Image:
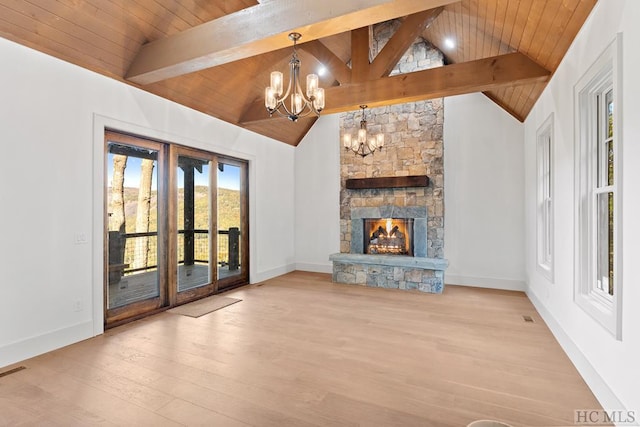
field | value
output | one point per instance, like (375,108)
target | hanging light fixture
(363,144)
(299,105)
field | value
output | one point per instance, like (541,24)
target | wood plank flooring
(302,351)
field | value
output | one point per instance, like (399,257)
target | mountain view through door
(176,225)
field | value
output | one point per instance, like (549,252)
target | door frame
(137,309)
(103,319)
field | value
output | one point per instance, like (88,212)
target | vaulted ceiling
(215,56)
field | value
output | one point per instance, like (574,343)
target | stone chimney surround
(413,147)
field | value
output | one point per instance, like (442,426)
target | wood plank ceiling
(506,49)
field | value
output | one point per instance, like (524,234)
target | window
(545,199)
(598,286)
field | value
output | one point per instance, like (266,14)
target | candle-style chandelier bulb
(299,104)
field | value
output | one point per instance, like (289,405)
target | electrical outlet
(80,238)
(77,305)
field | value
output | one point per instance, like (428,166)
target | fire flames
(388,236)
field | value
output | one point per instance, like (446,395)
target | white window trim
(605,72)
(545,206)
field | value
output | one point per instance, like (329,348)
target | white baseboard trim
(598,386)
(270,274)
(485,282)
(35,346)
(314,268)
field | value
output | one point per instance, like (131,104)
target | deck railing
(140,250)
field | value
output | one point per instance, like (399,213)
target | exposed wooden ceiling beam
(455,79)
(336,67)
(411,28)
(360,54)
(264,28)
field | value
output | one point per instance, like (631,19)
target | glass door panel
(232,253)
(195,276)
(132,256)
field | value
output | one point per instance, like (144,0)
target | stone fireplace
(398,267)
(372,253)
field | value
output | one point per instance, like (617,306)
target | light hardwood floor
(301,351)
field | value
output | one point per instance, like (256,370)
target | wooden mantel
(388,182)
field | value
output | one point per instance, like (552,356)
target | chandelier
(363,144)
(299,105)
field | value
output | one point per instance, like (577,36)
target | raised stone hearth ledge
(390,271)
(393,260)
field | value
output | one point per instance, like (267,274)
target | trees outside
(117,221)
(143,212)
(116,205)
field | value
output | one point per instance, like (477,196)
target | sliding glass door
(176,225)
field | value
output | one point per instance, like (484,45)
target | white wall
(483,194)
(484,202)
(610,367)
(317,177)
(51,173)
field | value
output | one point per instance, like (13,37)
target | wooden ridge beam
(335,66)
(259,29)
(391,53)
(467,77)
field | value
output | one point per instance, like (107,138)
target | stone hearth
(390,271)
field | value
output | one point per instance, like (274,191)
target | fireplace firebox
(388,236)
